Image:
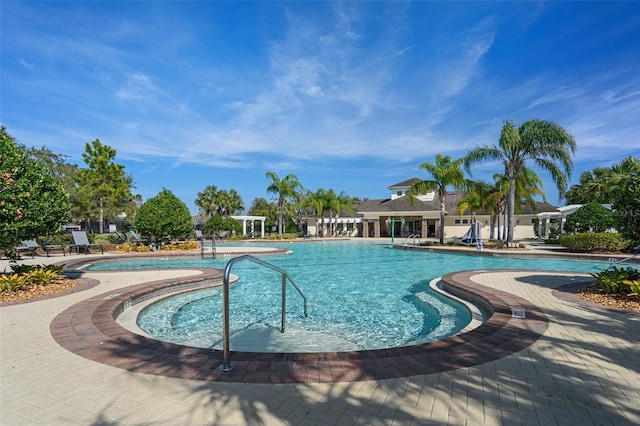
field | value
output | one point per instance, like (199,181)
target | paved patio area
(584,369)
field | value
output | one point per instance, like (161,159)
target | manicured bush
(164,216)
(592,242)
(592,217)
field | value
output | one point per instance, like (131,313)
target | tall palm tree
(316,201)
(207,200)
(338,203)
(230,202)
(287,189)
(445,173)
(545,143)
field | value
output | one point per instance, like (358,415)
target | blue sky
(352,96)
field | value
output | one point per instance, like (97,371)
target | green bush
(592,217)
(162,216)
(592,242)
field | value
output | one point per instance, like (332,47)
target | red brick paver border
(89,329)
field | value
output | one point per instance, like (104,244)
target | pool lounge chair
(122,238)
(135,238)
(81,241)
(27,247)
(48,248)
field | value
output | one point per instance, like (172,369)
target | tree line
(41,190)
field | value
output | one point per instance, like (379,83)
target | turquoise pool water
(361,295)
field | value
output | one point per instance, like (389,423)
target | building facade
(396,216)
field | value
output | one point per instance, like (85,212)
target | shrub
(592,217)
(619,280)
(24,275)
(597,242)
(12,282)
(129,247)
(164,215)
(633,286)
(217,223)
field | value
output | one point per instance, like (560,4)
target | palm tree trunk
(101,226)
(442,212)
(511,207)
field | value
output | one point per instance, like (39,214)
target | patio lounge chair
(122,238)
(81,241)
(29,246)
(135,238)
(46,247)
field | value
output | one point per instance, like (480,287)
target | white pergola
(251,220)
(562,214)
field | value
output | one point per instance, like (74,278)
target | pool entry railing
(227,366)
(201,238)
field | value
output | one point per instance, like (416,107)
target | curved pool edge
(89,329)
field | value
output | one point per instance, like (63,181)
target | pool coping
(90,330)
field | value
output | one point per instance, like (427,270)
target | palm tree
(207,200)
(543,142)
(230,202)
(476,198)
(287,188)
(338,203)
(316,201)
(445,173)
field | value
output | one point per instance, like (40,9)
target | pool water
(360,296)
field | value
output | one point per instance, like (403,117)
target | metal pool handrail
(227,366)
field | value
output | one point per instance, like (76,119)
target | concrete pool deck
(583,369)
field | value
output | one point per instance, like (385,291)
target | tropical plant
(616,280)
(12,282)
(633,286)
(444,173)
(545,143)
(32,202)
(207,200)
(626,199)
(162,216)
(103,184)
(287,190)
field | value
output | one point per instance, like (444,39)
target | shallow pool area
(361,296)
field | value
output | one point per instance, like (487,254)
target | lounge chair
(222,235)
(122,238)
(135,238)
(29,246)
(81,241)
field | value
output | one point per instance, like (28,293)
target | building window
(457,221)
(399,193)
(465,221)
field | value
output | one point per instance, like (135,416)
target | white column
(262,227)
(244,227)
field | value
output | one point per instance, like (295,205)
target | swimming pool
(361,296)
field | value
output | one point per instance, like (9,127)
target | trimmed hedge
(592,242)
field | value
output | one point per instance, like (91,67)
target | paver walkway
(584,370)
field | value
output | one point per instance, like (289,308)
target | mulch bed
(597,294)
(34,291)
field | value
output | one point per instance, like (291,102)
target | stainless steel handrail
(227,366)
